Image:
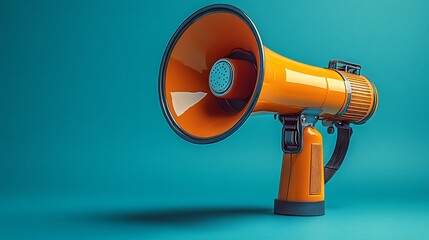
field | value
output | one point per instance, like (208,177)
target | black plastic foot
(299,208)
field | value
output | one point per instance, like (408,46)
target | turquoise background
(85,152)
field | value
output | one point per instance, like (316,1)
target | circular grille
(221,77)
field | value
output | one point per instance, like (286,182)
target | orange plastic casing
(302,177)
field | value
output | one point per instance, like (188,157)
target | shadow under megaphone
(179,216)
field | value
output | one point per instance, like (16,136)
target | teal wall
(79,110)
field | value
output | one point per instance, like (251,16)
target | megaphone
(216,72)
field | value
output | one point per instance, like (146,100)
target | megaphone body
(216,72)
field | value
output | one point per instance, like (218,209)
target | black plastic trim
(182,28)
(299,208)
(344,134)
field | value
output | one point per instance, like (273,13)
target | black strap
(344,134)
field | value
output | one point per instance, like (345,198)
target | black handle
(344,134)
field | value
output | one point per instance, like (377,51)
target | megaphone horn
(216,72)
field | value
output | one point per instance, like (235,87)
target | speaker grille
(221,77)
(362,98)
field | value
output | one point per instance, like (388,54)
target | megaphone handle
(301,190)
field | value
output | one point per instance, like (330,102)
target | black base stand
(299,208)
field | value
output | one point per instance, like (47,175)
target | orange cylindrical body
(290,87)
(268,82)
(302,176)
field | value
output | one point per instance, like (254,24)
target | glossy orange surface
(290,87)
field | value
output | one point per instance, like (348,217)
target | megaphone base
(282,207)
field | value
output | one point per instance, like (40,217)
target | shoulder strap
(344,134)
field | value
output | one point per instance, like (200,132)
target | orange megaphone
(215,72)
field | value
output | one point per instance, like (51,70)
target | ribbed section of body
(361,100)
